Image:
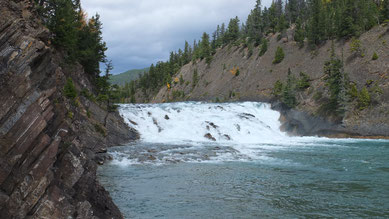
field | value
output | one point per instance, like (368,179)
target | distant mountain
(130,75)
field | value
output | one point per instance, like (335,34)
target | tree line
(314,21)
(80,39)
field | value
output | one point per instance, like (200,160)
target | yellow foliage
(176,80)
(234,70)
(168,86)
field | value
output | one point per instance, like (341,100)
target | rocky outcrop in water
(48,143)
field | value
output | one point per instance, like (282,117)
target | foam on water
(246,122)
(177,132)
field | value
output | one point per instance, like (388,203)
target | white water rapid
(247,122)
(207,132)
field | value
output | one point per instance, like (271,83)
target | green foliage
(278,88)
(127,77)
(299,34)
(289,91)
(286,92)
(355,47)
(375,56)
(250,50)
(364,99)
(353,91)
(303,82)
(279,56)
(69,89)
(73,33)
(195,78)
(88,114)
(316,20)
(336,84)
(70,115)
(263,47)
(181,80)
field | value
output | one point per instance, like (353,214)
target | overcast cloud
(141,32)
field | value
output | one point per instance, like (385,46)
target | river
(230,160)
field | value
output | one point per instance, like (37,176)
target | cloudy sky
(141,32)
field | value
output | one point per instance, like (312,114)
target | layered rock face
(48,144)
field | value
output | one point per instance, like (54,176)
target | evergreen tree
(263,47)
(316,25)
(288,93)
(336,83)
(232,34)
(205,48)
(279,56)
(299,34)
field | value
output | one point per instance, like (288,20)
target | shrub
(195,79)
(375,56)
(181,80)
(279,56)
(263,47)
(356,48)
(277,89)
(364,99)
(303,83)
(69,89)
(353,91)
(70,115)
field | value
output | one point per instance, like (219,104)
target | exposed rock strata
(47,167)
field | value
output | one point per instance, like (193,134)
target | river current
(230,160)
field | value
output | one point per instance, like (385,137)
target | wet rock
(132,122)
(209,136)
(102,151)
(227,137)
(156,123)
(167,117)
(246,116)
(237,127)
(151,157)
(149,113)
(212,124)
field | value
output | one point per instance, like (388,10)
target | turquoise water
(230,160)
(309,178)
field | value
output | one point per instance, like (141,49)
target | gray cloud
(141,32)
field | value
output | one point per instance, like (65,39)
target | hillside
(258,76)
(128,76)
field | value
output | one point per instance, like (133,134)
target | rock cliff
(257,76)
(49,145)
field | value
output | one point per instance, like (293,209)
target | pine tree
(205,48)
(288,93)
(279,56)
(232,34)
(263,47)
(336,83)
(299,34)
